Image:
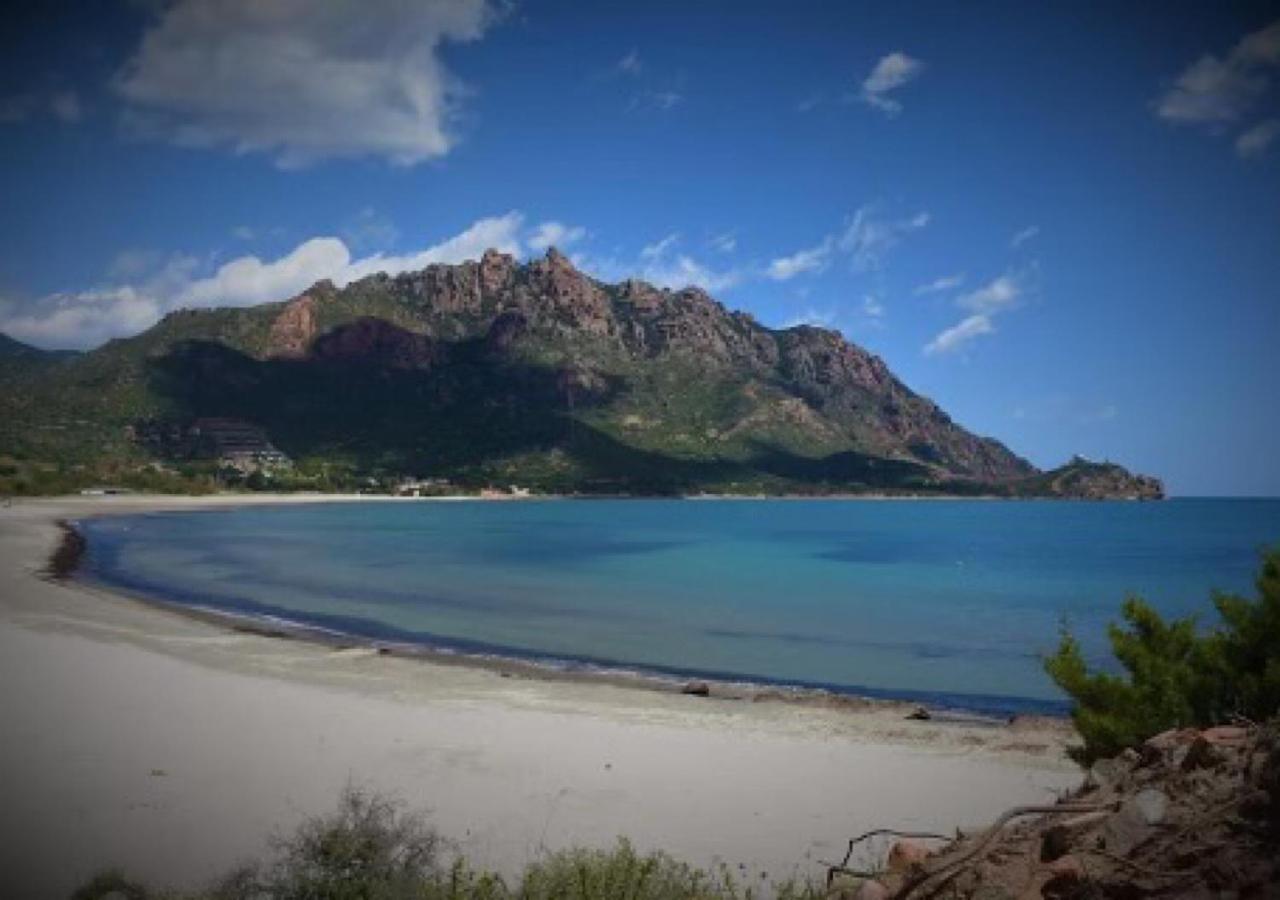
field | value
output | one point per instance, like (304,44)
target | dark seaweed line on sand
(68,555)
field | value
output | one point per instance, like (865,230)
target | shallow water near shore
(948,603)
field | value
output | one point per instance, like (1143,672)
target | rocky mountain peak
(535,364)
(295,327)
(497,271)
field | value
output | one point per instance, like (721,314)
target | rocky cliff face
(536,372)
(850,398)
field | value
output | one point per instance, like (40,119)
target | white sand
(172,747)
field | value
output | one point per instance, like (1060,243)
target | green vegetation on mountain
(493,372)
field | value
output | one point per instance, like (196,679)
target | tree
(1175,674)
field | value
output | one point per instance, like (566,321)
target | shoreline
(251,732)
(993,710)
(66,563)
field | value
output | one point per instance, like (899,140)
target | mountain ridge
(493,370)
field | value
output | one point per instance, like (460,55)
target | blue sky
(1060,221)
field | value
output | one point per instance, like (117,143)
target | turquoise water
(949,602)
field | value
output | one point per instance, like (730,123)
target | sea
(948,603)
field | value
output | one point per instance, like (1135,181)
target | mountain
(17,358)
(496,372)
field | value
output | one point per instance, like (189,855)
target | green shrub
(1176,674)
(370,849)
(111,884)
(621,874)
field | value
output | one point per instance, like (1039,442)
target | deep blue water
(949,602)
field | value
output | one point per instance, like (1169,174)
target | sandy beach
(174,747)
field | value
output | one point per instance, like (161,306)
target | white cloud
(868,239)
(500,233)
(684,271)
(889,74)
(995,296)
(725,243)
(299,81)
(631,64)
(248,280)
(65,106)
(660,247)
(939,285)
(86,318)
(1215,92)
(659,264)
(1023,236)
(872,308)
(1257,139)
(814,259)
(961,334)
(555,234)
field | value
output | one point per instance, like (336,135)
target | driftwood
(1194,811)
(948,869)
(842,867)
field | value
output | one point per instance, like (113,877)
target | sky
(1060,221)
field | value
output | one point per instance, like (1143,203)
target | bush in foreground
(1176,674)
(371,849)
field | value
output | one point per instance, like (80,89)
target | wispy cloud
(360,80)
(1213,91)
(1216,93)
(940,285)
(998,296)
(662,263)
(555,234)
(813,259)
(659,247)
(866,240)
(1023,236)
(889,74)
(682,270)
(726,242)
(1257,139)
(630,64)
(869,238)
(995,296)
(960,334)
